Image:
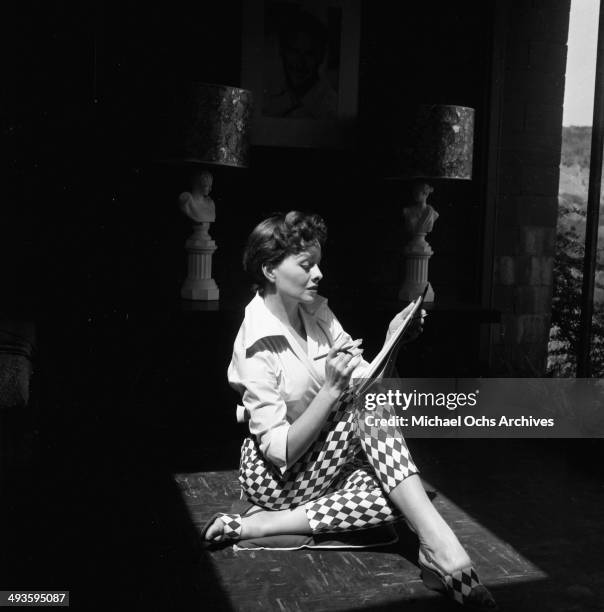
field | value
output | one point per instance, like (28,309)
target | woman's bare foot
(252,526)
(444,552)
(264,523)
(439,546)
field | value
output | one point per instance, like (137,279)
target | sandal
(231,531)
(232,523)
(462,586)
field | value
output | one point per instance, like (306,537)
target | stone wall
(528,172)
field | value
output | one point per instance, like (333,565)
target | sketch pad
(381,361)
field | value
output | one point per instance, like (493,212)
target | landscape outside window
(572,199)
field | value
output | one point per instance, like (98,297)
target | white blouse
(276,378)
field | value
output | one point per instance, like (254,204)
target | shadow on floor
(97,510)
(94,509)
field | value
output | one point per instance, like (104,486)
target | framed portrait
(301,62)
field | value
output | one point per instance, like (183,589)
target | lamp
(217,121)
(436,144)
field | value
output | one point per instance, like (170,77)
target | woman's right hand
(339,365)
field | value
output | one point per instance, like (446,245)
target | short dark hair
(278,236)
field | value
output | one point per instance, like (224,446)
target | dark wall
(125,384)
(93,243)
(94,221)
(93,246)
(422,53)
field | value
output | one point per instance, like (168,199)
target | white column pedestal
(416,257)
(199,284)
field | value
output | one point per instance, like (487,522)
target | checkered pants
(343,480)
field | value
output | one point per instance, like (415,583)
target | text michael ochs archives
(431,401)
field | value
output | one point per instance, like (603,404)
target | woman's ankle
(447,557)
(253,526)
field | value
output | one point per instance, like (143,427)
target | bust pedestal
(199,284)
(416,257)
(418,221)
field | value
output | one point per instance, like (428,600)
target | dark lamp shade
(436,144)
(217,125)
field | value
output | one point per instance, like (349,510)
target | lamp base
(418,220)
(416,275)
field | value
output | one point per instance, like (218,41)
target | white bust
(198,205)
(419,218)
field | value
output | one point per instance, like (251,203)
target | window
(575,166)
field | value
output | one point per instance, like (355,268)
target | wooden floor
(121,474)
(529,519)
(119,528)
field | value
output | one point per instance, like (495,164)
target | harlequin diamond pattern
(345,510)
(360,479)
(461,583)
(390,459)
(349,470)
(232,526)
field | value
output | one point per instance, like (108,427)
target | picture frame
(278,56)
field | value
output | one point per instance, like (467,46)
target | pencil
(345,349)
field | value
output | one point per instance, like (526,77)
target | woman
(307,465)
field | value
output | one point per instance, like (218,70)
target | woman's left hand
(415,326)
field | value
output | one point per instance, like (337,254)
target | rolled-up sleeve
(257,378)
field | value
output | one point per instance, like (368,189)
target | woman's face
(301,60)
(297,277)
